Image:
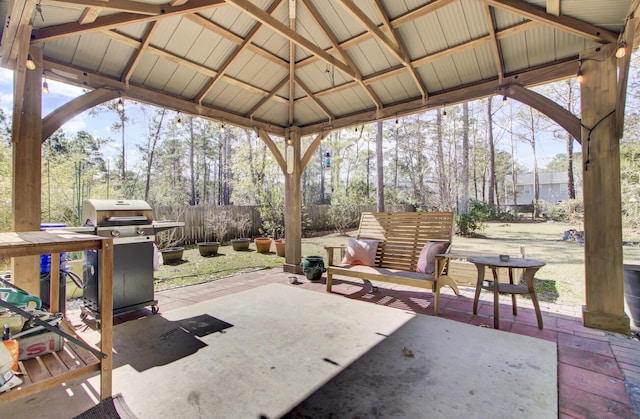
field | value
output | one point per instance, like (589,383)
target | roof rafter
(374,78)
(398,41)
(133,62)
(259,14)
(271,94)
(186,63)
(314,99)
(495,45)
(241,47)
(397,22)
(565,23)
(82,77)
(117,5)
(370,26)
(529,77)
(336,46)
(292,62)
(119,19)
(90,14)
(215,28)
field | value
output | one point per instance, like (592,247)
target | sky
(99,126)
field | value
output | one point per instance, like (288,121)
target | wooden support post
(602,198)
(293,205)
(26,188)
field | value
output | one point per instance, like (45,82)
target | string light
(580,77)
(179,121)
(622,50)
(31,65)
(504,99)
(120,105)
(45,86)
(397,121)
(444,114)
(222,128)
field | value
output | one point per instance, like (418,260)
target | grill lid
(115,212)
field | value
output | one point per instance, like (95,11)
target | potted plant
(263,244)
(279,247)
(171,255)
(207,249)
(242,225)
(217,223)
(167,241)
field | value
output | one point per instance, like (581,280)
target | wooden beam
(529,77)
(133,61)
(89,15)
(553,7)
(279,27)
(293,207)
(623,64)
(418,12)
(134,43)
(271,95)
(115,5)
(324,27)
(557,113)
(495,45)
(228,35)
(565,23)
(18,21)
(315,100)
(604,289)
(292,62)
(241,47)
(83,78)
(364,20)
(26,181)
(271,145)
(117,20)
(71,109)
(394,36)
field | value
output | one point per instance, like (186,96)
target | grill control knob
(115,233)
(140,232)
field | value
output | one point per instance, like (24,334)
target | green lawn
(560,281)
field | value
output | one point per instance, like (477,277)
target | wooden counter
(72,362)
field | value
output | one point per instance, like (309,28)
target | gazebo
(295,70)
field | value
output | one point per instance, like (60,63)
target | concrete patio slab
(263,351)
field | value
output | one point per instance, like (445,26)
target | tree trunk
(440,170)
(192,169)
(464,197)
(571,186)
(380,169)
(492,156)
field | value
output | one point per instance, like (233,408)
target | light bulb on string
(179,121)
(31,65)
(504,100)
(444,114)
(580,77)
(222,129)
(622,50)
(120,105)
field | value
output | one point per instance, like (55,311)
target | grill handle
(129,218)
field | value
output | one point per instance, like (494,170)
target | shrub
(343,217)
(472,221)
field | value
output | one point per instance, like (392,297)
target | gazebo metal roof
(313,64)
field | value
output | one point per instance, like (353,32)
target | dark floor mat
(110,408)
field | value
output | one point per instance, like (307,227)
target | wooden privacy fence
(222,223)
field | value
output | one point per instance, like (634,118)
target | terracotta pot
(280,247)
(263,244)
(240,245)
(208,248)
(172,255)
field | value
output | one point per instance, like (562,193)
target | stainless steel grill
(130,224)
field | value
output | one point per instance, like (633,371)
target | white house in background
(552,187)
